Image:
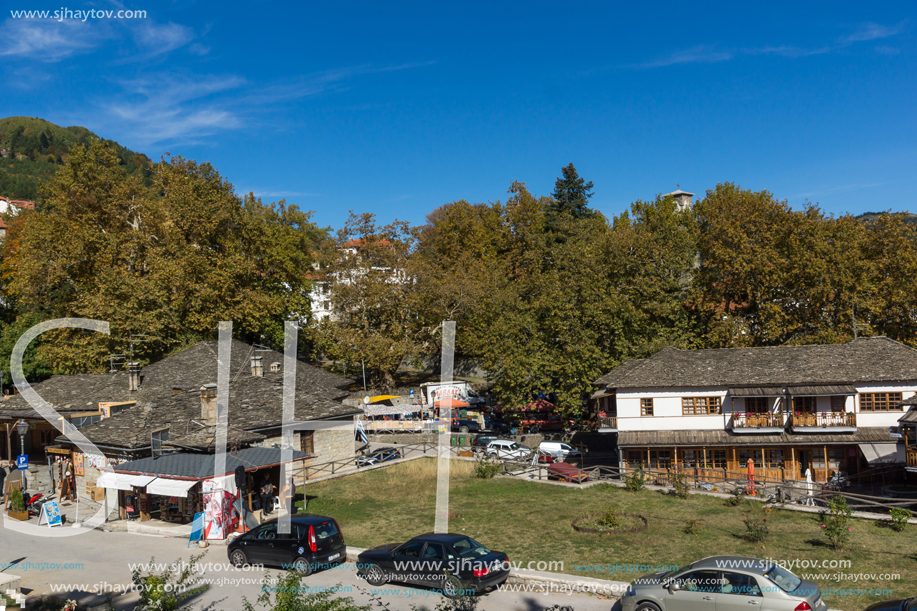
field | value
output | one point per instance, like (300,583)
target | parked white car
(504,448)
(560,450)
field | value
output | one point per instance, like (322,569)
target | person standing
(2,485)
(267,495)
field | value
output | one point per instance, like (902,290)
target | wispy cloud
(871,31)
(157,39)
(47,41)
(864,32)
(701,54)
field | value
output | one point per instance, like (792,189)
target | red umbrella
(451,403)
(751,477)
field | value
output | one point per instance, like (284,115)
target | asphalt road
(101,562)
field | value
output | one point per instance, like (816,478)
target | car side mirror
(674,586)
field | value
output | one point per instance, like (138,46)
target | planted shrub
(610,519)
(17,503)
(487,467)
(168,590)
(636,480)
(755,531)
(900,516)
(680,484)
(693,527)
(836,522)
(736,497)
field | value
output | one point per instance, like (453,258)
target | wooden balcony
(912,458)
(836,421)
(608,424)
(754,423)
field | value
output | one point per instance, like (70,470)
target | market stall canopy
(170,487)
(379,398)
(385,410)
(452,403)
(881,453)
(123,481)
(538,405)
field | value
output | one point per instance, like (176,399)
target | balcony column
(793,462)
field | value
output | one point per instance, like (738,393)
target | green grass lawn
(532,522)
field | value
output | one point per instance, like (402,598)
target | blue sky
(397,108)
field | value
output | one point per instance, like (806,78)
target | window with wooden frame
(646,407)
(701,406)
(719,459)
(755,455)
(635,458)
(835,458)
(804,405)
(775,459)
(838,404)
(307,442)
(818,458)
(880,401)
(756,405)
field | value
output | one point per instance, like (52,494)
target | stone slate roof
(204,438)
(867,359)
(201,466)
(724,438)
(254,404)
(191,368)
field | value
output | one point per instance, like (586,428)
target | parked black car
(481,441)
(901,604)
(313,542)
(466,426)
(456,564)
(377,456)
(497,427)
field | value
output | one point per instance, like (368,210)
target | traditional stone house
(790,408)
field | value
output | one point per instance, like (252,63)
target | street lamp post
(22,427)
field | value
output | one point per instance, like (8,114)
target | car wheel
(238,558)
(464,429)
(375,576)
(303,566)
(453,586)
(647,606)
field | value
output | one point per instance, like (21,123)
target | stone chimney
(275,367)
(257,367)
(209,404)
(133,376)
(682,199)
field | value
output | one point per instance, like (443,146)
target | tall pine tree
(571,196)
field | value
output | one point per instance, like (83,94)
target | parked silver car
(726,583)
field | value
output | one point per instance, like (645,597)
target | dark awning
(821,391)
(757,391)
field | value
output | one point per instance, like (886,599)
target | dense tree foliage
(167,262)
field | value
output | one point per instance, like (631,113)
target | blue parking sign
(22,462)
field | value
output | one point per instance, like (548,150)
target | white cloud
(157,39)
(45,40)
(701,54)
(871,31)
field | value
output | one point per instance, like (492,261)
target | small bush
(900,516)
(288,594)
(167,591)
(693,527)
(17,503)
(680,483)
(836,522)
(755,531)
(486,467)
(610,519)
(736,498)
(636,480)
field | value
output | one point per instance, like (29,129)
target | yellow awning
(382,398)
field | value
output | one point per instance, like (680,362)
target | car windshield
(469,548)
(784,579)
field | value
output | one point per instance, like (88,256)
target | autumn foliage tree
(167,262)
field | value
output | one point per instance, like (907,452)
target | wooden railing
(912,456)
(823,419)
(756,421)
(608,422)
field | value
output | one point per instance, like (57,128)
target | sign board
(53,450)
(22,462)
(8,488)
(197,528)
(894,432)
(50,514)
(78,467)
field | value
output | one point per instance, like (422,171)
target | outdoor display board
(219,517)
(78,464)
(50,514)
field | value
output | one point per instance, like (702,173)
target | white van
(559,449)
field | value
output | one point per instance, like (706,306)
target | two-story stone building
(790,408)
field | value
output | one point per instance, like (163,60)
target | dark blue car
(377,456)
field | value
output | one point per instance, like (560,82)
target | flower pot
(22,516)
